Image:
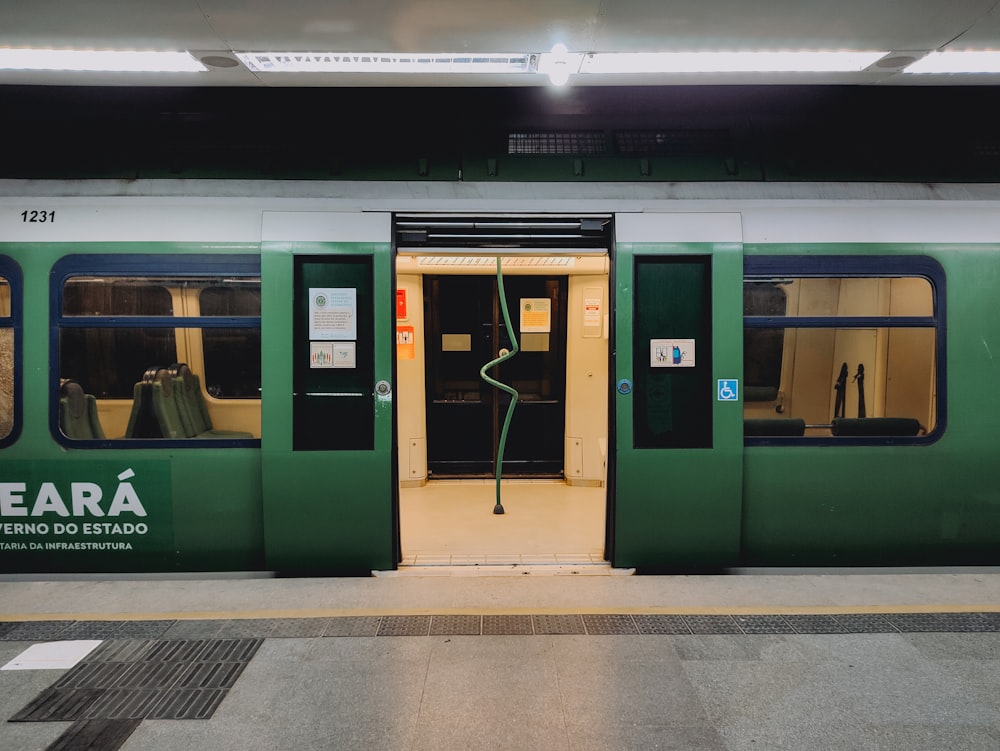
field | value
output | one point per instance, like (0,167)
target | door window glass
(672,394)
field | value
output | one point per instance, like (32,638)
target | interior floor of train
(448,526)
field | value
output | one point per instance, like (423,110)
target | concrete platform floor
(918,683)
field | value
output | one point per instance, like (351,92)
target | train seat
(142,420)
(191,406)
(777,426)
(78,413)
(165,406)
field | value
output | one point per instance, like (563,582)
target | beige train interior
(545,521)
(898,362)
(241,415)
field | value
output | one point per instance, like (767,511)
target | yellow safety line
(666,610)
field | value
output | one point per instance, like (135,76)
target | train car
(262,376)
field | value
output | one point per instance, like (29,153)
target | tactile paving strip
(37,631)
(865,623)
(763,624)
(246,628)
(712,624)
(203,629)
(609,624)
(142,629)
(661,624)
(815,624)
(90,630)
(300,628)
(558,624)
(456,625)
(88,735)
(136,679)
(507,625)
(356,625)
(404,625)
(189,635)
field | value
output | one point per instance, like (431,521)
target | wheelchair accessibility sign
(729,389)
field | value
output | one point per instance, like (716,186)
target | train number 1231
(38,217)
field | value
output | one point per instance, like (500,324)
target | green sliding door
(328,458)
(678,407)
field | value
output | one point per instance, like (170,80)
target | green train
(284,376)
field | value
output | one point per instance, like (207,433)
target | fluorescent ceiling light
(559,64)
(127,61)
(379,62)
(729,62)
(983,61)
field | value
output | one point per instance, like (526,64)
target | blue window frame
(120,326)
(843,350)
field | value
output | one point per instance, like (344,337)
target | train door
(327,449)
(464,414)
(555,272)
(678,426)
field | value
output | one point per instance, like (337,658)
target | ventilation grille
(677,141)
(552,233)
(568,142)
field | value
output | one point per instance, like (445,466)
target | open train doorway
(554,277)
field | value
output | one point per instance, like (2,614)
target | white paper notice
(333,313)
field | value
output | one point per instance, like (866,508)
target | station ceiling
(471,39)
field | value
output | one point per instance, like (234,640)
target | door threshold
(508,569)
(491,481)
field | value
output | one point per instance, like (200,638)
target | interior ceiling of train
(477,43)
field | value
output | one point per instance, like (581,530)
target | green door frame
(327,511)
(679,508)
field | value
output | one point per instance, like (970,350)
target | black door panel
(465,330)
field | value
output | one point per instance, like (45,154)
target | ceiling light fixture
(559,64)
(383,62)
(790,61)
(112,61)
(967,61)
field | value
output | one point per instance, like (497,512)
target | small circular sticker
(625,386)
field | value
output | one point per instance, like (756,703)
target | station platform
(505,659)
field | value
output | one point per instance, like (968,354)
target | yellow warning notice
(536,315)
(405,345)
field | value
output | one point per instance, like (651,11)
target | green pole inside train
(503,356)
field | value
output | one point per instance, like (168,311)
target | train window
(157,355)
(9,334)
(851,355)
(762,371)
(232,356)
(109,359)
